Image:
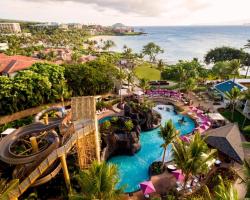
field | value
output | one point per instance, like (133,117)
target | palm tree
(121,76)
(189,85)
(234,95)
(234,67)
(143,84)
(225,191)
(192,157)
(130,79)
(98,182)
(160,65)
(247,175)
(181,72)
(108,44)
(168,134)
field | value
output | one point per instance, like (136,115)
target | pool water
(134,169)
(102,120)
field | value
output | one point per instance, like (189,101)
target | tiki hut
(227,140)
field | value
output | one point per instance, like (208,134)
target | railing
(89,126)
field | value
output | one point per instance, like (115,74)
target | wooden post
(96,132)
(46,119)
(65,172)
(34,144)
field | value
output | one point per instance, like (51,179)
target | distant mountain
(17,21)
(118,25)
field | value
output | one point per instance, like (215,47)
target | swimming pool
(134,169)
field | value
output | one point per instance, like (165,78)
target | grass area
(146,71)
(238,117)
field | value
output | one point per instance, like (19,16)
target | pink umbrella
(193,108)
(204,127)
(147,187)
(178,175)
(199,130)
(185,138)
(199,111)
(207,123)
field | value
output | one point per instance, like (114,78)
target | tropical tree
(220,70)
(108,44)
(234,95)
(234,67)
(189,85)
(246,62)
(192,157)
(129,125)
(127,53)
(98,182)
(143,84)
(130,78)
(121,76)
(168,134)
(160,65)
(75,57)
(223,54)
(247,174)
(152,50)
(225,191)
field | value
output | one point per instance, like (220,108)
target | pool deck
(162,183)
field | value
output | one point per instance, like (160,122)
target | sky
(129,12)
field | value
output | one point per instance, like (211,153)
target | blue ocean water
(185,42)
(134,169)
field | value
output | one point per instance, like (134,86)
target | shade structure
(147,187)
(178,175)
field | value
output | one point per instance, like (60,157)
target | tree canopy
(223,54)
(152,50)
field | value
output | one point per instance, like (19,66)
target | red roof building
(9,65)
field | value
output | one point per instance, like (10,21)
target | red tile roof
(10,64)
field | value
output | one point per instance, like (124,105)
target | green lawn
(146,71)
(238,117)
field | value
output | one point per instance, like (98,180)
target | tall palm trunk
(164,154)
(247,71)
(232,116)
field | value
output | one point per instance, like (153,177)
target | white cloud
(130,12)
(140,7)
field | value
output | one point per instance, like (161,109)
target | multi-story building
(49,25)
(75,26)
(64,26)
(10,28)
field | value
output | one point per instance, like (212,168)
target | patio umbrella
(178,175)
(199,111)
(185,139)
(204,127)
(199,130)
(147,187)
(193,108)
(207,123)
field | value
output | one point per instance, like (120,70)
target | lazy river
(134,169)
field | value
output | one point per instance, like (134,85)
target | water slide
(27,161)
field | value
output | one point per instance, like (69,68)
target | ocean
(184,42)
